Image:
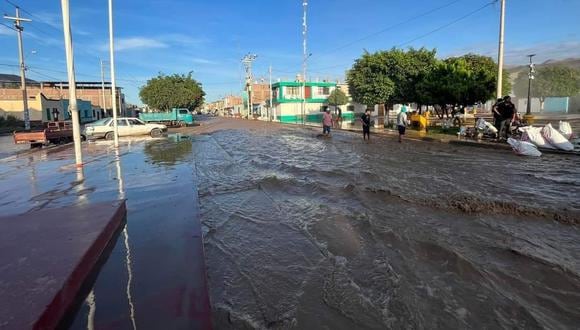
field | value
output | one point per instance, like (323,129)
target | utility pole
(305,57)
(247,61)
(271,101)
(500,50)
(530,78)
(72,86)
(112,66)
(17,19)
(104,100)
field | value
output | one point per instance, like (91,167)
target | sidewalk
(415,135)
(155,275)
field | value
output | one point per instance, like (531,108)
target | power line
(411,19)
(439,28)
(449,24)
(9,27)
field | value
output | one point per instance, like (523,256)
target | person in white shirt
(402,122)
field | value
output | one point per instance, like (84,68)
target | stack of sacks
(548,137)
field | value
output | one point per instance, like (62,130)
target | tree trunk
(542,100)
(381,115)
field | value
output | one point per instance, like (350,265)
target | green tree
(400,69)
(550,81)
(368,81)
(174,91)
(337,97)
(460,82)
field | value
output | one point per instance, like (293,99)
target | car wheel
(181,123)
(109,136)
(156,132)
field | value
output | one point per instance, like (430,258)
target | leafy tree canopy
(389,76)
(462,81)
(337,97)
(174,91)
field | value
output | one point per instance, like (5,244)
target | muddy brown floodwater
(311,233)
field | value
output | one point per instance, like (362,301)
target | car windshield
(100,122)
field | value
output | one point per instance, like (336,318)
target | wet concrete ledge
(47,257)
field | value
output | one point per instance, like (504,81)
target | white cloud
(122,44)
(202,61)
(52,19)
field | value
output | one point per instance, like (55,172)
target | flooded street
(305,232)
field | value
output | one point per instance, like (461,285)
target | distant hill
(570,62)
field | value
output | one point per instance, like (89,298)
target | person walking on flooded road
(366,124)
(402,122)
(326,122)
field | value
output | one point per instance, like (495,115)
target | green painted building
(287,101)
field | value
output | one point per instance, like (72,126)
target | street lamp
(530,78)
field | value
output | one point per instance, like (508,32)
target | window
(183,111)
(293,91)
(135,122)
(323,108)
(102,122)
(48,114)
(323,90)
(350,108)
(121,122)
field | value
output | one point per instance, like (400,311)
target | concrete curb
(50,256)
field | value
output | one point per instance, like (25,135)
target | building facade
(287,101)
(92,92)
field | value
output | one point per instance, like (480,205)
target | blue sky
(210,37)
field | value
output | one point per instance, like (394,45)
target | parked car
(126,126)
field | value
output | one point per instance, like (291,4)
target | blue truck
(174,117)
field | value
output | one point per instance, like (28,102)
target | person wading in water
(326,122)
(402,122)
(366,124)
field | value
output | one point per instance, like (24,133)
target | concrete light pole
(271,101)
(305,57)
(112,66)
(500,50)
(247,61)
(104,100)
(72,90)
(530,78)
(18,27)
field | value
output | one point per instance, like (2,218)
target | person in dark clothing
(508,116)
(366,124)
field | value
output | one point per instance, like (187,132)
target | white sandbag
(556,139)
(524,148)
(486,126)
(565,129)
(534,135)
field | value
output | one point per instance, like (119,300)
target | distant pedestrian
(366,124)
(326,122)
(338,117)
(402,122)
